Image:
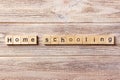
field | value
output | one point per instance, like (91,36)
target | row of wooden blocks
(60,39)
(21,39)
(79,39)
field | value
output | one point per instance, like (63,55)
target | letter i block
(46,39)
(55,39)
(33,40)
(9,39)
(90,39)
(87,39)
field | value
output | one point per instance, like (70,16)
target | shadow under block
(20,39)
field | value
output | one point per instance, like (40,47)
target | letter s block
(46,39)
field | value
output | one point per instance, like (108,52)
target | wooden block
(94,39)
(110,39)
(16,39)
(70,39)
(78,39)
(9,39)
(86,39)
(55,39)
(106,39)
(46,39)
(89,39)
(32,40)
(24,39)
(62,39)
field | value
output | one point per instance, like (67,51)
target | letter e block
(32,40)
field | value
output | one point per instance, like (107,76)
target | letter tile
(62,39)
(46,39)
(16,39)
(78,39)
(70,39)
(33,40)
(54,39)
(89,39)
(24,39)
(9,39)
(110,40)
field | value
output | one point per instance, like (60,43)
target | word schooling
(59,39)
(78,39)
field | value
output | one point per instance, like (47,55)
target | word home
(78,39)
(20,39)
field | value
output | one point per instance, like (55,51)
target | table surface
(66,62)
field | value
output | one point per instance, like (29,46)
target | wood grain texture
(59,10)
(66,62)
(42,29)
(60,68)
